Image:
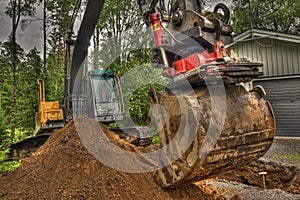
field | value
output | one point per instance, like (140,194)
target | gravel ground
(285,151)
(230,190)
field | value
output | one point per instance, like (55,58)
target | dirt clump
(278,176)
(63,169)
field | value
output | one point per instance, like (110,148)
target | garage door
(284,95)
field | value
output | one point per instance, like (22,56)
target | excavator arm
(86,30)
(74,62)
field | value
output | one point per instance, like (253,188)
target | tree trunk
(57,67)
(96,48)
(14,103)
(14,70)
(45,37)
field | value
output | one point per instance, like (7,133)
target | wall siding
(279,58)
(284,96)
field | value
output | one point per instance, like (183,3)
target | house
(280,55)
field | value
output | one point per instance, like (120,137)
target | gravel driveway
(285,151)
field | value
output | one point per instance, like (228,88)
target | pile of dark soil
(278,176)
(63,169)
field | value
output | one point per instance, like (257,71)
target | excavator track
(136,135)
(246,133)
(27,146)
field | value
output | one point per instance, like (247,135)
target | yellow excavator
(48,114)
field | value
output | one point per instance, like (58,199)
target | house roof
(256,34)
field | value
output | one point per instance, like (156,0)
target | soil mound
(63,169)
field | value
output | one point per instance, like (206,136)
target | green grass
(7,165)
(155,139)
(291,156)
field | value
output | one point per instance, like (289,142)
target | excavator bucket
(206,120)
(211,130)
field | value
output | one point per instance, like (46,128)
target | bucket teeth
(259,90)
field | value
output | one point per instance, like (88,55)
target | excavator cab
(105,96)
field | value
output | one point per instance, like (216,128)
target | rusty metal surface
(247,133)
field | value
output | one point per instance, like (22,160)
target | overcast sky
(28,38)
(4,22)
(32,35)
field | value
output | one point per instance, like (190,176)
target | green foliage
(16,10)
(123,47)
(279,15)
(155,139)
(7,165)
(19,71)
(5,100)
(135,89)
(30,70)
(112,125)
(5,138)
(54,80)
(57,24)
(117,27)
(6,85)
(139,99)
(118,16)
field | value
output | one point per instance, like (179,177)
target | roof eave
(259,34)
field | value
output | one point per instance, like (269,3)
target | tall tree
(4,87)
(121,43)
(59,14)
(45,34)
(15,10)
(116,33)
(7,85)
(278,15)
(31,69)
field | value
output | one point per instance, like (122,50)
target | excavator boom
(73,68)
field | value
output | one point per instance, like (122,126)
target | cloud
(4,22)
(31,36)
(28,38)
(5,27)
